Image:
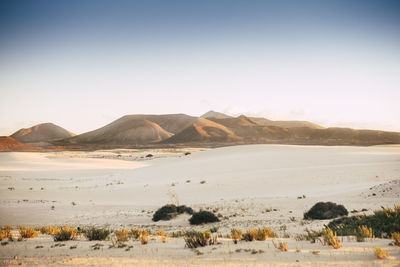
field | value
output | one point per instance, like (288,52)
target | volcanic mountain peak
(41,133)
(214,114)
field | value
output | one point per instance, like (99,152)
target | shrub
(135,233)
(66,233)
(363,232)
(27,232)
(330,238)
(5,232)
(396,238)
(282,246)
(122,235)
(203,217)
(144,238)
(236,235)
(49,230)
(170,211)
(199,239)
(259,234)
(325,210)
(96,233)
(383,222)
(380,253)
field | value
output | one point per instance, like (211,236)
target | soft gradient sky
(81,64)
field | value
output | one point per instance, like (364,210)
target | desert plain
(248,186)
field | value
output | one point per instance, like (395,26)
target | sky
(84,63)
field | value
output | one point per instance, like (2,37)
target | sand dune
(250,186)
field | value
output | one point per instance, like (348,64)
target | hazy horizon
(83,64)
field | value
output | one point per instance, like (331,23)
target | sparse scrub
(122,235)
(380,253)
(96,233)
(66,233)
(49,230)
(5,232)
(167,212)
(135,233)
(236,235)
(396,238)
(196,239)
(27,232)
(363,232)
(383,222)
(259,234)
(330,238)
(144,237)
(203,217)
(325,210)
(282,245)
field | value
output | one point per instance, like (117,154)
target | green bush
(96,233)
(383,223)
(203,217)
(170,211)
(325,210)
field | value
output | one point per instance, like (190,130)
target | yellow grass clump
(282,246)
(380,253)
(27,232)
(236,235)
(122,235)
(5,232)
(330,238)
(396,238)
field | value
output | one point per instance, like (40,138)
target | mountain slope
(44,132)
(214,114)
(203,130)
(173,123)
(285,124)
(10,144)
(124,131)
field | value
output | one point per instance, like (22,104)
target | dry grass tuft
(27,232)
(380,253)
(330,238)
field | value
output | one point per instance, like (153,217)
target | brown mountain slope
(214,114)
(127,130)
(241,121)
(173,123)
(10,144)
(44,132)
(285,124)
(203,131)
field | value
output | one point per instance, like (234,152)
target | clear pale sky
(81,64)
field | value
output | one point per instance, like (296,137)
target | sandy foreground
(250,186)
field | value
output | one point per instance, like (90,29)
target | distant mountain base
(213,129)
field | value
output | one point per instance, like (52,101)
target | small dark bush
(325,210)
(96,233)
(149,155)
(203,217)
(170,211)
(183,209)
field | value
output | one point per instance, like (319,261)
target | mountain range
(212,129)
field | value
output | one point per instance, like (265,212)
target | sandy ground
(250,186)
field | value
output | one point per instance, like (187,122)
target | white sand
(123,188)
